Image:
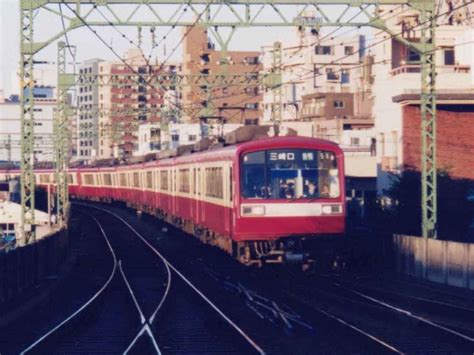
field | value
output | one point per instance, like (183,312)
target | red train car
(267,200)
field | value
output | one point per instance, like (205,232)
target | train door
(174,190)
(227,185)
(198,197)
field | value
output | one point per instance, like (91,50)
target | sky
(89,46)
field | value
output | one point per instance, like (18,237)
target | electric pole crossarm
(242,14)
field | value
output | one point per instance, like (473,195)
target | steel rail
(186,280)
(85,305)
(406,313)
(345,323)
(370,288)
(146,326)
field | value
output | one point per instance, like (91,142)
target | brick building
(397,87)
(127,100)
(228,104)
(455,132)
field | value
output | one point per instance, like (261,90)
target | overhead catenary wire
(115,52)
(378,42)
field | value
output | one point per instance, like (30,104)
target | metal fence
(23,269)
(439,261)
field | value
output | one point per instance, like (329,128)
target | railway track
(169,314)
(458,317)
(405,329)
(283,325)
(146,306)
(91,267)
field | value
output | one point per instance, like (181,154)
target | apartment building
(232,103)
(311,66)
(10,112)
(129,97)
(87,120)
(397,101)
(153,137)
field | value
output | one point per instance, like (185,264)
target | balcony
(441,69)
(390,163)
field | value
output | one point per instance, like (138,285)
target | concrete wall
(446,262)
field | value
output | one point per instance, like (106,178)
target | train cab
(289,189)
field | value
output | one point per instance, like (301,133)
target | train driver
(312,190)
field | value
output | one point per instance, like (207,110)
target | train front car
(290,199)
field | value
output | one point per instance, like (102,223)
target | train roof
(210,152)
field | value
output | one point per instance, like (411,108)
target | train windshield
(290,174)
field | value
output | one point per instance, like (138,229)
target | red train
(267,200)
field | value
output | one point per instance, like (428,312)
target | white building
(313,66)
(10,126)
(87,120)
(395,76)
(152,139)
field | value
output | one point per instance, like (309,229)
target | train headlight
(331,209)
(253,210)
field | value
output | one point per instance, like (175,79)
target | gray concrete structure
(440,261)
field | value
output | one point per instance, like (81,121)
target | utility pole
(428,120)
(27,159)
(277,71)
(65,82)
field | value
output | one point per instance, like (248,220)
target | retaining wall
(439,261)
(24,268)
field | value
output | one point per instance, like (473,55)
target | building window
(175,137)
(355,141)
(251,76)
(316,74)
(192,138)
(251,121)
(345,77)
(251,60)
(348,50)
(412,55)
(449,58)
(252,106)
(338,104)
(253,91)
(323,50)
(331,75)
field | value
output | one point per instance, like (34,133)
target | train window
(164,180)
(44,179)
(198,182)
(214,180)
(136,180)
(231,187)
(70,179)
(123,180)
(183,180)
(174,181)
(290,174)
(107,179)
(149,179)
(88,179)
